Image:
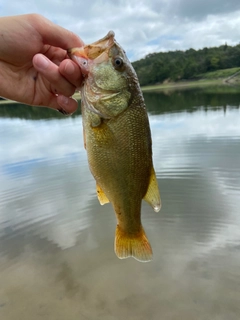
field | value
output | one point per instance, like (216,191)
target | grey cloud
(201,8)
(194,9)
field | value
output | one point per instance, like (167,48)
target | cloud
(21,130)
(42,173)
(142,27)
(200,9)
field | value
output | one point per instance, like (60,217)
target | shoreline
(164,86)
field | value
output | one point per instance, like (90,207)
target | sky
(141,27)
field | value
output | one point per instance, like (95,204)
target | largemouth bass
(118,141)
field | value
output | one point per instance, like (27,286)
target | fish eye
(118,62)
(84,62)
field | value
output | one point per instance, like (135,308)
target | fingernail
(43,62)
(69,68)
(61,110)
(63,100)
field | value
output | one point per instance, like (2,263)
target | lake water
(56,241)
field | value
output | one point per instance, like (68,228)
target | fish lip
(105,41)
(95,49)
(79,56)
(77,51)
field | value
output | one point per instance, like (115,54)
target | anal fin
(101,195)
(152,195)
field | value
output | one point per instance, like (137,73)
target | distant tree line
(179,65)
(22,111)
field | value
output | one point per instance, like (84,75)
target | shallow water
(56,241)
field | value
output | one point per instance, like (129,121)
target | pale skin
(34,66)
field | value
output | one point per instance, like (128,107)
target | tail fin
(136,245)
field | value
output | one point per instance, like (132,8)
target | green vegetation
(183,85)
(191,99)
(219,74)
(207,63)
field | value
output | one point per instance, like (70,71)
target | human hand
(34,68)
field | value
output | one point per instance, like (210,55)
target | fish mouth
(97,51)
(79,56)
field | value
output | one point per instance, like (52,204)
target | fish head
(85,55)
(110,79)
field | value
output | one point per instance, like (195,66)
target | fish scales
(125,157)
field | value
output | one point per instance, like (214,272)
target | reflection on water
(56,241)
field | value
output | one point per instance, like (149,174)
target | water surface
(56,241)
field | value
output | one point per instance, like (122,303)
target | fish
(118,142)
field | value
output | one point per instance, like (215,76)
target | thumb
(54,34)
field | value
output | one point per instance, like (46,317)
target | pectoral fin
(152,195)
(101,195)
